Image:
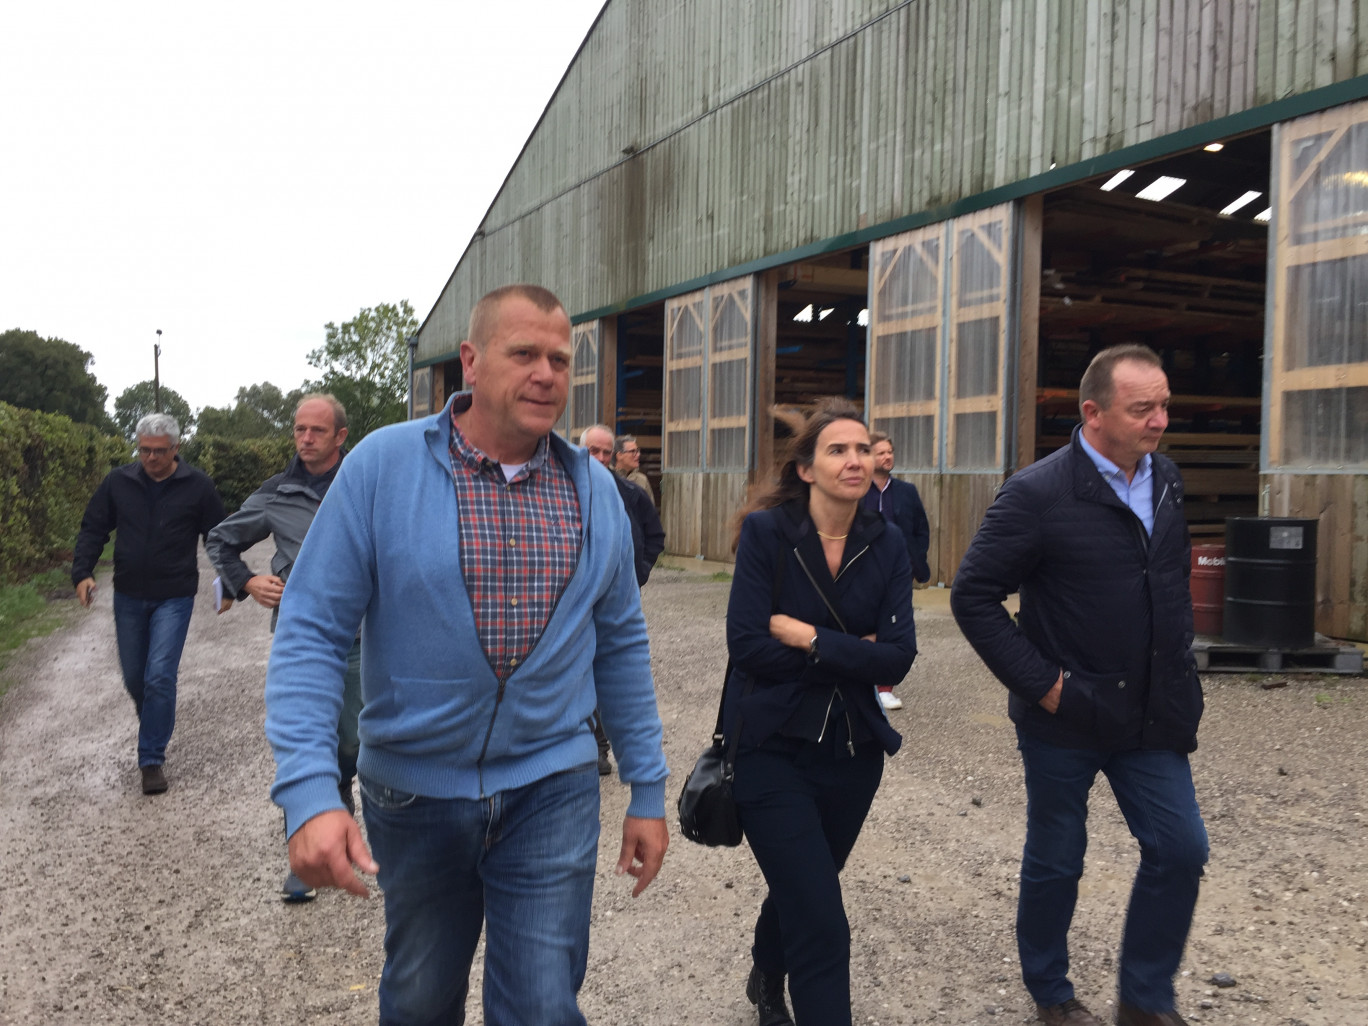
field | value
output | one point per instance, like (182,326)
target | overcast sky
(239,176)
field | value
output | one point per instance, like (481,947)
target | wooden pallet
(1214,655)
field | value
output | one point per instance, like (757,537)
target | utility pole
(156,372)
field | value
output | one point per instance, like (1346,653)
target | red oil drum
(1208,588)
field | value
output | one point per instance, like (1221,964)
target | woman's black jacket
(791,694)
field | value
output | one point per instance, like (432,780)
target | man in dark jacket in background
(283,508)
(648,538)
(1101,678)
(159,506)
(900,503)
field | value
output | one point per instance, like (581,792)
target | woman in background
(820,615)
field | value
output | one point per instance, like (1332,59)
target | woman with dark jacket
(820,615)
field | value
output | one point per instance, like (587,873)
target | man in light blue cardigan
(490,567)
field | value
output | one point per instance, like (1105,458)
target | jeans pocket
(383,797)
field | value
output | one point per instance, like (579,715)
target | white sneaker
(889,700)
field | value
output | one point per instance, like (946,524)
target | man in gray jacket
(283,508)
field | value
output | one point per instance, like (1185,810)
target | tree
(136,401)
(260,411)
(51,375)
(365,364)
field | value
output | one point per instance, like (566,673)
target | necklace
(833,537)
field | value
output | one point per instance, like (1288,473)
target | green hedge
(238,467)
(49,468)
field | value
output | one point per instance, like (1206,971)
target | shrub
(238,466)
(49,468)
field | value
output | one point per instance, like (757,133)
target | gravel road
(120,909)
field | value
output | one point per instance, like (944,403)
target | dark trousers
(1155,792)
(802,806)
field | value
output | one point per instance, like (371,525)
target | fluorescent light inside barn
(826,313)
(1115,180)
(1161,188)
(1214,147)
(863,319)
(1243,201)
(1265,217)
(804,315)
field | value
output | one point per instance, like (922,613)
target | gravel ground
(120,909)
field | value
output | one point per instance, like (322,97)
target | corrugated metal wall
(754,128)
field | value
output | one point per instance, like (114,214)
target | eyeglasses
(631,452)
(153,450)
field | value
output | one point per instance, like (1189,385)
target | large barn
(941,209)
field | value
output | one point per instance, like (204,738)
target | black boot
(766,993)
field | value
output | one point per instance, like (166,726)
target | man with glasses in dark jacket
(1101,679)
(159,506)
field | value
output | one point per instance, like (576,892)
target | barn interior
(820,336)
(640,388)
(1172,254)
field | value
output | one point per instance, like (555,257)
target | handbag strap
(821,591)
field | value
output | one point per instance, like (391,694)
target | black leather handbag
(707,810)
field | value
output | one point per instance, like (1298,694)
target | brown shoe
(1069,1013)
(153,780)
(1128,1016)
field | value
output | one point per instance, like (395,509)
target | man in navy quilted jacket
(1101,677)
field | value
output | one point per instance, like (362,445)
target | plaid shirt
(520,544)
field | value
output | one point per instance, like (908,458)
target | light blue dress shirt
(1137,493)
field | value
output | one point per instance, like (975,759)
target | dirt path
(119,909)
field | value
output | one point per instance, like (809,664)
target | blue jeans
(521,862)
(151,636)
(802,805)
(1155,793)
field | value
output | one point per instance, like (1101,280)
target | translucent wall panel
(708,346)
(905,326)
(582,409)
(686,328)
(978,338)
(422,391)
(1318,394)
(729,376)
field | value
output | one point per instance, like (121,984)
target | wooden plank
(1331,376)
(1340,504)
(1007,120)
(1220,480)
(681,512)
(1222,15)
(1163,62)
(1092,59)
(1048,80)
(1321,21)
(1028,329)
(963,500)
(1360,57)
(608,362)
(766,333)
(722,496)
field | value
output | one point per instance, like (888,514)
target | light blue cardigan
(385,546)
